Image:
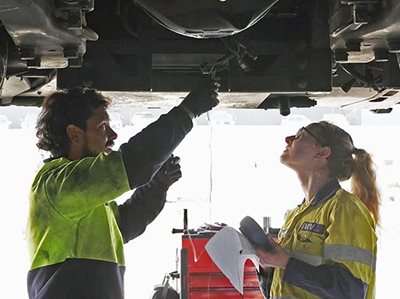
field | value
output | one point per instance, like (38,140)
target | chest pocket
(309,238)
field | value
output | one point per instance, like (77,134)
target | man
(76,230)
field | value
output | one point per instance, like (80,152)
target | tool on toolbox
(200,277)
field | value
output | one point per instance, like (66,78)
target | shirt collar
(52,159)
(326,192)
(49,159)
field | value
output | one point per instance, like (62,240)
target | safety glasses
(312,135)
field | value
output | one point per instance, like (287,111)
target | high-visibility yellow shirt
(72,213)
(335,229)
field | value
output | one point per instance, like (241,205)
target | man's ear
(324,152)
(74,133)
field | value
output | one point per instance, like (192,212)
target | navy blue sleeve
(145,153)
(326,281)
(265,280)
(141,209)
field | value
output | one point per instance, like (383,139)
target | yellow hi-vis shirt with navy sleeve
(338,229)
(72,213)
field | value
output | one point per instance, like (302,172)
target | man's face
(98,137)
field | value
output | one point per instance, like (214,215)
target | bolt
(302,63)
(284,105)
(71,52)
(353,46)
(302,83)
(360,14)
(75,62)
(381,55)
(394,46)
(27,53)
(341,56)
(33,63)
(75,19)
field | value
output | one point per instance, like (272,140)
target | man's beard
(87,153)
(109,146)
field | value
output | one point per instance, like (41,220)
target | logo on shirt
(313,227)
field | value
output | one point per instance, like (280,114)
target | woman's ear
(324,152)
(74,133)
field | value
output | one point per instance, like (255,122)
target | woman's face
(300,150)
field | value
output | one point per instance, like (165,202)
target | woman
(327,245)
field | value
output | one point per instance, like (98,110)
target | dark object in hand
(203,98)
(169,173)
(255,234)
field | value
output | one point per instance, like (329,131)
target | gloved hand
(169,173)
(203,98)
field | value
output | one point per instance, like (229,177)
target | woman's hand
(278,258)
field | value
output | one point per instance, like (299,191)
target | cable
(210,191)
(372,83)
(241,54)
(195,257)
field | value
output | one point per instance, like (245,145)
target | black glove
(169,173)
(203,98)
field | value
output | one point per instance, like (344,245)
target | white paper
(229,250)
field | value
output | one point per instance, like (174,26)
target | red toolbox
(201,278)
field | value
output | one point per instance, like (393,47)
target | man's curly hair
(62,108)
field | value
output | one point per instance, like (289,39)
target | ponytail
(363,182)
(346,162)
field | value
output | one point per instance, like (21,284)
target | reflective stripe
(313,260)
(283,297)
(350,253)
